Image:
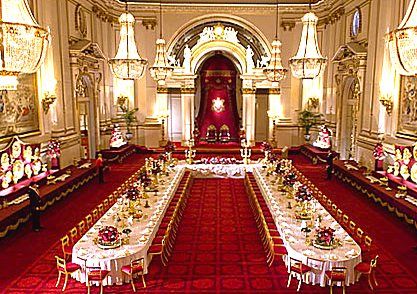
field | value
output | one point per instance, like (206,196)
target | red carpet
(24,246)
(217,250)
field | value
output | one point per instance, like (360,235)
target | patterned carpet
(217,250)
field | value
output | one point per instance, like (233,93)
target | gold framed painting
(19,109)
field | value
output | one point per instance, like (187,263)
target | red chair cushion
(70,267)
(280,250)
(300,270)
(155,248)
(363,267)
(336,276)
(97,275)
(136,269)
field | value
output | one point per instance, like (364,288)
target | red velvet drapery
(218,81)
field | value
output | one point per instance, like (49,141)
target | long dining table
(88,254)
(347,254)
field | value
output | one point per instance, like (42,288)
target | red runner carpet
(218,250)
(22,248)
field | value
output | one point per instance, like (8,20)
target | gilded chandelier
(24,42)
(308,63)
(275,72)
(161,69)
(402,43)
(127,64)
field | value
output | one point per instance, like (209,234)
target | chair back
(94,272)
(61,264)
(368,241)
(374,261)
(81,228)
(135,264)
(316,264)
(89,220)
(74,234)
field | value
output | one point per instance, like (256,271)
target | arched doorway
(217,104)
(86,115)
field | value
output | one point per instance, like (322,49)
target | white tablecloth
(143,232)
(348,255)
(220,170)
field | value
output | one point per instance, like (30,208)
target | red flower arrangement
(218,160)
(265,146)
(289,179)
(169,147)
(108,235)
(53,149)
(303,194)
(379,153)
(325,236)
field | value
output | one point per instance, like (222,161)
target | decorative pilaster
(274,113)
(248,95)
(163,112)
(187,105)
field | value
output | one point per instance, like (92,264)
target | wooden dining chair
(136,267)
(298,269)
(66,246)
(65,268)
(368,268)
(95,274)
(337,275)
(94,212)
(82,229)
(89,221)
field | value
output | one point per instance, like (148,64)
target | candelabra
(190,153)
(386,101)
(245,151)
(273,116)
(163,116)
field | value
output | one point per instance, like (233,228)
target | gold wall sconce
(387,102)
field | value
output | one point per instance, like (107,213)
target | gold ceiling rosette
(23,42)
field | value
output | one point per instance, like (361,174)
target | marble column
(248,95)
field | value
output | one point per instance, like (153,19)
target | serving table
(349,172)
(87,253)
(348,254)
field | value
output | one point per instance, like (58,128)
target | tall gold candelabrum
(190,152)
(245,151)
(163,116)
(274,117)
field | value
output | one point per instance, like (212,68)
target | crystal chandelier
(23,42)
(275,72)
(308,63)
(161,69)
(402,43)
(127,64)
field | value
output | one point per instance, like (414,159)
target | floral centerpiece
(325,238)
(169,148)
(379,153)
(266,149)
(108,238)
(218,160)
(53,149)
(289,179)
(303,194)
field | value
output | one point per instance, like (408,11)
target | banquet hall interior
(208,146)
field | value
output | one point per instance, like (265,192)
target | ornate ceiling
(225,2)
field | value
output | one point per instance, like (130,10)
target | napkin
(291,239)
(348,239)
(350,253)
(308,252)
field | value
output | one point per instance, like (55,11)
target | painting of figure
(19,109)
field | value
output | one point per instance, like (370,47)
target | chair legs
(59,279)
(143,281)
(133,284)
(65,283)
(373,276)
